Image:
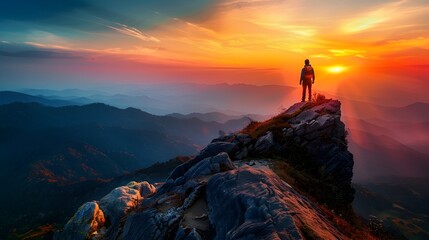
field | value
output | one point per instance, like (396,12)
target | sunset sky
(61,44)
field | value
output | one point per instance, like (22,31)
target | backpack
(308,72)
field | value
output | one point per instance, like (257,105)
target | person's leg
(309,91)
(303,90)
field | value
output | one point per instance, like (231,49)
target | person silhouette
(307,79)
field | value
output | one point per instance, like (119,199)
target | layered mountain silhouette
(217,116)
(7,97)
(382,155)
(387,140)
(288,177)
(231,99)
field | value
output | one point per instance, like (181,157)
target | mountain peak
(250,185)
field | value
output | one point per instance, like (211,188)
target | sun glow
(336,69)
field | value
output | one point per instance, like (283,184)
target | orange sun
(336,69)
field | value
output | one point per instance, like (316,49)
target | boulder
(211,150)
(224,138)
(265,143)
(305,116)
(243,138)
(193,235)
(216,148)
(151,224)
(85,223)
(254,203)
(145,188)
(211,165)
(328,107)
(119,201)
(246,204)
(294,108)
(242,153)
(154,223)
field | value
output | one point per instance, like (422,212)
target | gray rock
(85,223)
(327,120)
(210,166)
(181,234)
(211,150)
(288,132)
(193,235)
(226,138)
(242,153)
(330,107)
(300,128)
(145,225)
(294,108)
(179,181)
(305,116)
(312,126)
(320,135)
(119,201)
(145,188)
(216,148)
(265,143)
(155,224)
(248,203)
(243,138)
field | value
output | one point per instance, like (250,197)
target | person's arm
(314,75)
(302,76)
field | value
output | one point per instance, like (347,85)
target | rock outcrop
(319,132)
(231,189)
(254,203)
(85,223)
(311,137)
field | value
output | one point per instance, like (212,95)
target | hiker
(307,79)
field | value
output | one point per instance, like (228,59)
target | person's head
(307,61)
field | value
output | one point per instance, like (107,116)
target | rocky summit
(272,180)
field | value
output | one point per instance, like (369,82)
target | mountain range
(7,97)
(184,98)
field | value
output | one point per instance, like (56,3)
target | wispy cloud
(45,50)
(35,50)
(346,52)
(133,32)
(44,45)
(237,4)
(321,56)
(392,12)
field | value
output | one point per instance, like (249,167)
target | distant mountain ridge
(44,116)
(232,99)
(415,112)
(7,97)
(383,156)
(217,116)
